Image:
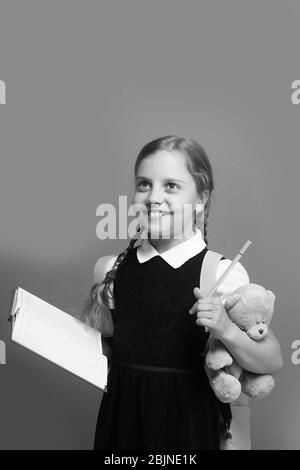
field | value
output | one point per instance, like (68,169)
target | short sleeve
(236,278)
(102,266)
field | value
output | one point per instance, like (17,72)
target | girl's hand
(211,314)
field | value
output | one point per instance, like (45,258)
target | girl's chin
(164,226)
(155,231)
(168,232)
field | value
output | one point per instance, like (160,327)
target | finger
(197,293)
(204,322)
(193,309)
(206,314)
(205,306)
(211,300)
(231,300)
(200,305)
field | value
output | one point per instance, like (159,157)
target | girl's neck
(163,244)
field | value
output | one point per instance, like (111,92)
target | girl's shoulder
(237,277)
(102,266)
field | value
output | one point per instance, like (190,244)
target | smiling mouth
(157,214)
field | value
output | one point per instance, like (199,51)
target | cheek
(138,197)
(183,209)
(187,201)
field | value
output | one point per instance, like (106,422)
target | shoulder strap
(208,271)
(207,280)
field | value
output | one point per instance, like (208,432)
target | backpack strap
(208,277)
(209,271)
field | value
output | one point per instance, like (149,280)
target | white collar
(175,256)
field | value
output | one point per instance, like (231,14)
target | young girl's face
(168,191)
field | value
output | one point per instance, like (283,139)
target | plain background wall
(88,84)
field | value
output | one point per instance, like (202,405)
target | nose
(155,196)
(260,331)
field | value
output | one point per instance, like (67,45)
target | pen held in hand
(228,270)
(230,267)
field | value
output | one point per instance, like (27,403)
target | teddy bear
(251,308)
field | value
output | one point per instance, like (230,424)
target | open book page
(58,337)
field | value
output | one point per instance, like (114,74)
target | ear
(272,297)
(231,301)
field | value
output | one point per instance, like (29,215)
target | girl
(158,395)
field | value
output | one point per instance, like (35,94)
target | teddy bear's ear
(272,297)
(231,300)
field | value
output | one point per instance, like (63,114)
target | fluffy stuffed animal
(251,308)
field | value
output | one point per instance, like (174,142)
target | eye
(173,186)
(142,185)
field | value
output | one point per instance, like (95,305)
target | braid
(205,225)
(102,293)
(105,293)
(203,222)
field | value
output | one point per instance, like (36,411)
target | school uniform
(158,394)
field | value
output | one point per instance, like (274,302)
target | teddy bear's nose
(261,331)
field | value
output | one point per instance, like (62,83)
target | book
(59,337)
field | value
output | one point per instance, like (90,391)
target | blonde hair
(98,310)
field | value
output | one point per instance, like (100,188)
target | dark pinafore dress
(158,395)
